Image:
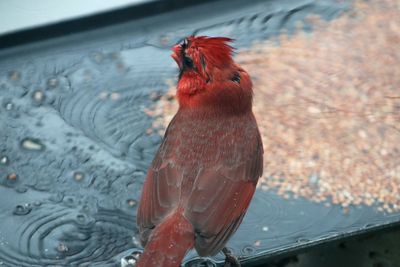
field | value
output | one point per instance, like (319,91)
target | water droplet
(265,228)
(14,75)
(22,209)
(155,96)
(302,240)
(368,225)
(52,83)
(248,250)
(78,176)
(131,202)
(38,96)
(57,197)
(149,131)
(115,96)
(4,160)
(9,106)
(32,144)
(69,201)
(103,95)
(37,203)
(130,260)
(97,57)
(86,208)
(21,189)
(87,75)
(80,218)
(62,248)
(85,220)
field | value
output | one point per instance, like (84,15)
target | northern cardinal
(204,175)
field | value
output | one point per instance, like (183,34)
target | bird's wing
(221,196)
(161,189)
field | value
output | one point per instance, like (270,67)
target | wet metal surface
(75,140)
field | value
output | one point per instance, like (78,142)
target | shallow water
(75,144)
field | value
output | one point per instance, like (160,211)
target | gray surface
(16,15)
(81,171)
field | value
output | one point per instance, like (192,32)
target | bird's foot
(230,259)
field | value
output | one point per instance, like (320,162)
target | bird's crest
(203,52)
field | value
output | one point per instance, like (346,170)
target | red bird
(204,175)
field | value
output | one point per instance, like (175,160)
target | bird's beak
(176,55)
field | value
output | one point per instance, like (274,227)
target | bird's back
(207,167)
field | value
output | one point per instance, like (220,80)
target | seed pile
(328,107)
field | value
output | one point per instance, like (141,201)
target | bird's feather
(209,168)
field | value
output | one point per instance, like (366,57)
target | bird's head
(201,54)
(206,69)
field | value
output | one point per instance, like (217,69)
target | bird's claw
(230,259)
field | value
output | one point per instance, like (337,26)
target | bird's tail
(168,243)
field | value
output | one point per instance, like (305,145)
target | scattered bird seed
(14,75)
(38,96)
(327,105)
(12,176)
(78,176)
(32,144)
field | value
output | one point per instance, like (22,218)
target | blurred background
(87,90)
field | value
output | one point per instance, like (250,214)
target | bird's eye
(188,62)
(236,77)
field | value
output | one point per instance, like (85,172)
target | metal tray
(74,148)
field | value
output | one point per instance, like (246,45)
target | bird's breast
(208,142)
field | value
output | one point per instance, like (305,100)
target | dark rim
(94,21)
